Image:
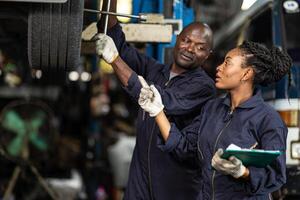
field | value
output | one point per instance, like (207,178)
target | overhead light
(291,6)
(247,4)
(85,76)
(38,74)
(124,6)
(73,76)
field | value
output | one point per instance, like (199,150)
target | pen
(254,145)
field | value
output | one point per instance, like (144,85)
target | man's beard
(186,67)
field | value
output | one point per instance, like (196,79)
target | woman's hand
(232,166)
(150,99)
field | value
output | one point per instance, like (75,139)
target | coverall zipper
(215,146)
(149,150)
(198,148)
(270,197)
(149,163)
(149,146)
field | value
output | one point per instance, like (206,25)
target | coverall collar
(250,103)
(166,71)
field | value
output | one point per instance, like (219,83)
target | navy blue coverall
(216,127)
(155,175)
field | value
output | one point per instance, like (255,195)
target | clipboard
(252,157)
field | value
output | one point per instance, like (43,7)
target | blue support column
(178,9)
(146,6)
(180,12)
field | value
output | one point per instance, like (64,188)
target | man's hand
(150,100)
(106,48)
(233,166)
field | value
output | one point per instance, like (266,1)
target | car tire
(54,35)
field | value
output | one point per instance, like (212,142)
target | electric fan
(25,131)
(26,136)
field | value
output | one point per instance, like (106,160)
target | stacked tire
(54,35)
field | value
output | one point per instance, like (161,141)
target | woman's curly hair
(270,65)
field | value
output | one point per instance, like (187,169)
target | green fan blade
(15,147)
(35,123)
(37,141)
(14,123)
(34,126)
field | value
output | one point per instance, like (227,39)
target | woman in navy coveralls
(241,118)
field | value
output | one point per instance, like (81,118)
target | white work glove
(146,93)
(150,99)
(106,48)
(233,166)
